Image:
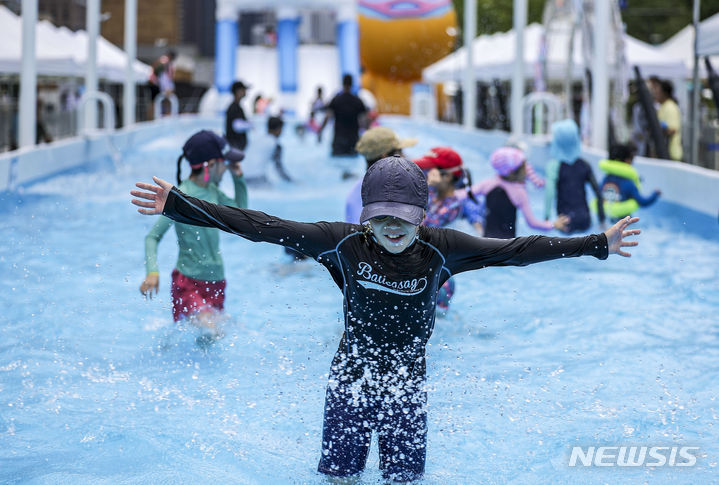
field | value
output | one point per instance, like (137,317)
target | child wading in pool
(445,176)
(506,193)
(198,280)
(567,175)
(389,271)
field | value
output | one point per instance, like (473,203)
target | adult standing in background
(162,79)
(346,109)
(670,117)
(236,124)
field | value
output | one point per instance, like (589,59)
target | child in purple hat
(388,270)
(506,193)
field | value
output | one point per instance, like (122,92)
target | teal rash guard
(199,256)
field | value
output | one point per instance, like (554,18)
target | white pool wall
(686,185)
(26,166)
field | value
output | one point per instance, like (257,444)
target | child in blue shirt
(621,186)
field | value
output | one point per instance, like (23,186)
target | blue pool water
(98,386)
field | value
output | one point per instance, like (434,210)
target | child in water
(621,187)
(389,270)
(266,151)
(446,174)
(567,175)
(505,193)
(198,280)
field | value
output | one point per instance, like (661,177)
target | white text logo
(379,282)
(634,456)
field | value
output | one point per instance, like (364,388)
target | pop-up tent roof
(708,44)
(681,44)
(494,58)
(53,59)
(62,52)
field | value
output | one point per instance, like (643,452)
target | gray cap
(396,187)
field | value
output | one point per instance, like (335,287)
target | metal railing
(108,110)
(534,105)
(160,99)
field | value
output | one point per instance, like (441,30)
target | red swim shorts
(190,296)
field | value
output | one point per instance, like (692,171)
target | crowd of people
(393,258)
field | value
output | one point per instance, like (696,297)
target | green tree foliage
(496,15)
(652,21)
(655,21)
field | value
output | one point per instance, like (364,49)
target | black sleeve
(595,187)
(464,252)
(311,239)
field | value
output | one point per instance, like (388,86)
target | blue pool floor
(97,385)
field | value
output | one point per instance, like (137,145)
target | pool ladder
(108,109)
(536,121)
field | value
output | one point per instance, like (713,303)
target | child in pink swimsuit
(506,193)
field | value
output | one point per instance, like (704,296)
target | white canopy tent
(62,52)
(53,58)
(493,58)
(681,46)
(111,60)
(708,44)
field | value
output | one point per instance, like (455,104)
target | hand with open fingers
(236,169)
(617,233)
(152,282)
(562,222)
(154,200)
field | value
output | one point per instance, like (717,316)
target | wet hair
(274,123)
(366,233)
(195,171)
(347,80)
(622,151)
(461,179)
(465,181)
(667,88)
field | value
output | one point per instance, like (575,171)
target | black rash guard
(389,299)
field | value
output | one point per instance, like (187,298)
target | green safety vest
(619,209)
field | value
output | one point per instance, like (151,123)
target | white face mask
(393,234)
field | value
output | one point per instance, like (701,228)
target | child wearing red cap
(445,174)
(506,193)
(198,280)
